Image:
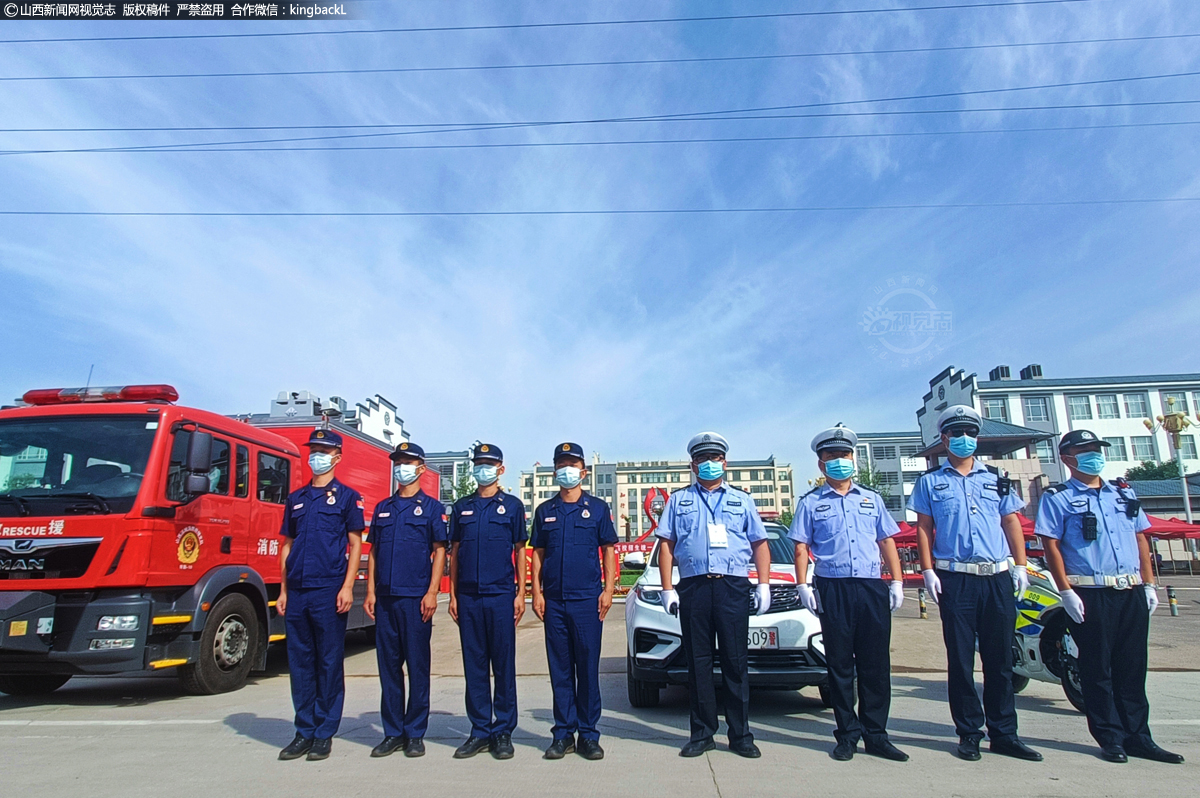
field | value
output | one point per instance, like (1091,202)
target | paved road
(138,736)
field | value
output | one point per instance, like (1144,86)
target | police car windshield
(73,464)
(783,550)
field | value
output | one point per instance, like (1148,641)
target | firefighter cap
(324,437)
(408,449)
(568,450)
(488,451)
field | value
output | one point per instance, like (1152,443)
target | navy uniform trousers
(857,627)
(573,634)
(1112,642)
(489,649)
(980,609)
(717,607)
(316,646)
(402,640)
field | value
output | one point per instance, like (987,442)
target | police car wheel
(642,695)
(1071,684)
(31,684)
(227,648)
(1021,682)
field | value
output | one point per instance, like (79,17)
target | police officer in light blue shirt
(712,530)
(847,528)
(967,526)
(1096,548)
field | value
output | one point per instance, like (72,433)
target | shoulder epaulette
(1119,482)
(685,487)
(931,470)
(811,492)
(1053,489)
(993,469)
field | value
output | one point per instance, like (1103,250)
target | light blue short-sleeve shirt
(1114,552)
(685,521)
(843,532)
(966,512)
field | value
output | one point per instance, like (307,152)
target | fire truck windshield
(73,464)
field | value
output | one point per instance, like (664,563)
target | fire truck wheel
(227,647)
(35,684)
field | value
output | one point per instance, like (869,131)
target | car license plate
(767,637)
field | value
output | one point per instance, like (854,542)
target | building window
(1116,450)
(1045,451)
(1080,408)
(911,477)
(1136,406)
(891,502)
(768,476)
(1106,406)
(1187,445)
(1181,404)
(889,478)
(785,502)
(784,476)
(996,408)
(884,452)
(862,453)
(909,450)
(1036,408)
(1143,447)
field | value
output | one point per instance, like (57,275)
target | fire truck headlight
(117,623)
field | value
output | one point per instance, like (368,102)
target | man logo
(23,545)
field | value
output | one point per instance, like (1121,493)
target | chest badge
(585,514)
(417,510)
(500,510)
(331,500)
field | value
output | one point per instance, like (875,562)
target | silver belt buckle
(1122,582)
(986,568)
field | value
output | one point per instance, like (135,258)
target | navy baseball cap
(324,437)
(1079,437)
(408,449)
(569,450)
(488,451)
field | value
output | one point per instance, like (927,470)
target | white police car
(786,651)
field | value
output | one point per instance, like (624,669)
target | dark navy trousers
(715,612)
(980,610)
(489,649)
(402,640)
(857,626)
(573,633)
(316,646)
(1113,640)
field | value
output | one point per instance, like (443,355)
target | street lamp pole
(1174,422)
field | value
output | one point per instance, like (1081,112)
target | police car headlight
(112,643)
(649,595)
(117,623)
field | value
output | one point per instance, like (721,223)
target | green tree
(786,517)
(873,479)
(18,481)
(464,487)
(1152,470)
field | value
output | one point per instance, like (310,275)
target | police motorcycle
(1043,648)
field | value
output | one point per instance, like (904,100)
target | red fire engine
(137,534)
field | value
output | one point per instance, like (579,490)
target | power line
(613,142)
(633,62)
(824,115)
(611,211)
(575,24)
(695,115)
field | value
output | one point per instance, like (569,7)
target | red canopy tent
(1172,528)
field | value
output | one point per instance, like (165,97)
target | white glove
(1151,597)
(1073,604)
(670,601)
(1020,577)
(808,597)
(762,598)
(895,595)
(933,585)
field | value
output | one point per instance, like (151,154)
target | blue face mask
(320,462)
(840,468)
(406,473)
(568,476)
(963,446)
(485,474)
(711,469)
(1091,463)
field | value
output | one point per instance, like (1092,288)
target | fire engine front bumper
(73,633)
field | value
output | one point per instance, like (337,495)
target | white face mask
(320,462)
(568,476)
(405,473)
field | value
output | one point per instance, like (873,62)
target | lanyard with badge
(718,535)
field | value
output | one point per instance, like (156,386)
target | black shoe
(885,750)
(748,750)
(560,748)
(1016,749)
(390,745)
(296,748)
(1154,753)
(697,747)
(415,748)
(320,749)
(502,747)
(590,749)
(844,750)
(968,749)
(1113,753)
(471,747)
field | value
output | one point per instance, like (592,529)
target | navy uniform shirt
(404,532)
(685,520)
(843,532)
(571,534)
(966,512)
(1114,552)
(320,520)
(486,531)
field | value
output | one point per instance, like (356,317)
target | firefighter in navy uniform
(572,597)
(316,592)
(848,530)
(1094,534)
(967,527)
(408,556)
(487,600)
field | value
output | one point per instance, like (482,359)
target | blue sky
(627,334)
